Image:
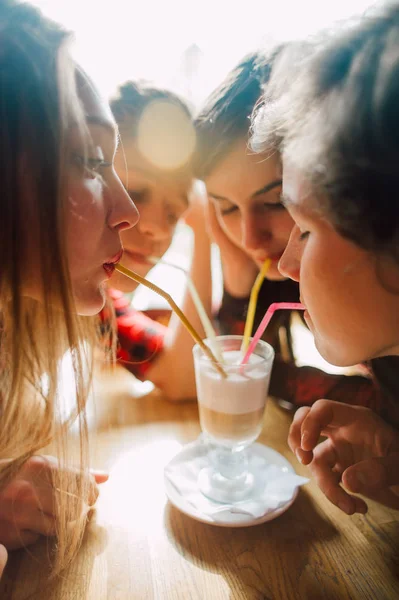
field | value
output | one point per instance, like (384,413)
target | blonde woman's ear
(3,559)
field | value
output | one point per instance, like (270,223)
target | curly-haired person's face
(349,293)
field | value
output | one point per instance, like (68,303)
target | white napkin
(274,485)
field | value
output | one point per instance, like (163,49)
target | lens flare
(166,136)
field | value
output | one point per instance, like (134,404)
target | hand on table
(361,452)
(27,503)
(239,270)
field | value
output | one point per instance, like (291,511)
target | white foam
(238,394)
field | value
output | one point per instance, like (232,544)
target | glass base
(222,489)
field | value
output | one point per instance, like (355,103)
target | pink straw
(265,322)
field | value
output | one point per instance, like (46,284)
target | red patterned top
(140,338)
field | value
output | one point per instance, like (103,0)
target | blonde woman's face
(99,209)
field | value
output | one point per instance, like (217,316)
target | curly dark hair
(338,123)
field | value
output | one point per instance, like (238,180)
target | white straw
(206,323)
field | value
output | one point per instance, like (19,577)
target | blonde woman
(62,211)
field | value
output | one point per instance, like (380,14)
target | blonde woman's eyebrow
(107,124)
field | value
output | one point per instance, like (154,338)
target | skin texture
(351,311)
(3,559)
(361,452)
(99,209)
(251,223)
(27,503)
(161,199)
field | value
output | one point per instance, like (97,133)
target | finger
(46,474)
(322,468)
(22,496)
(39,523)
(3,559)
(93,492)
(344,456)
(294,436)
(22,539)
(324,414)
(95,476)
(373,474)
(304,457)
(99,476)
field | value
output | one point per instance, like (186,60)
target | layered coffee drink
(231,410)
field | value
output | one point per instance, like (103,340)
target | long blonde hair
(38,101)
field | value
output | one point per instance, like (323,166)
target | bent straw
(265,321)
(249,323)
(206,323)
(180,314)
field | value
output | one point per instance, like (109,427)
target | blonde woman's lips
(109,266)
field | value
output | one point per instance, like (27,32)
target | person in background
(62,212)
(249,223)
(337,128)
(155,163)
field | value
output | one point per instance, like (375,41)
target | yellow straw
(249,323)
(177,310)
(205,320)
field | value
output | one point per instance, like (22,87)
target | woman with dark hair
(155,160)
(337,127)
(249,223)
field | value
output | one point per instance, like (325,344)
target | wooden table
(140,547)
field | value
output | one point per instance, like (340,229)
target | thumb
(373,474)
(3,559)
(99,476)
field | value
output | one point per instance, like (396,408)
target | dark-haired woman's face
(245,189)
(350,308)
(161,200)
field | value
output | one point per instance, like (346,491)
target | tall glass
(231,414)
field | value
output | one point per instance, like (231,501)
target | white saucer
(228,519)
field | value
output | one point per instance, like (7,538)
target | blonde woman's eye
(96,164)
(303,235)
(92,166)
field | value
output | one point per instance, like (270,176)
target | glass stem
(231,463)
